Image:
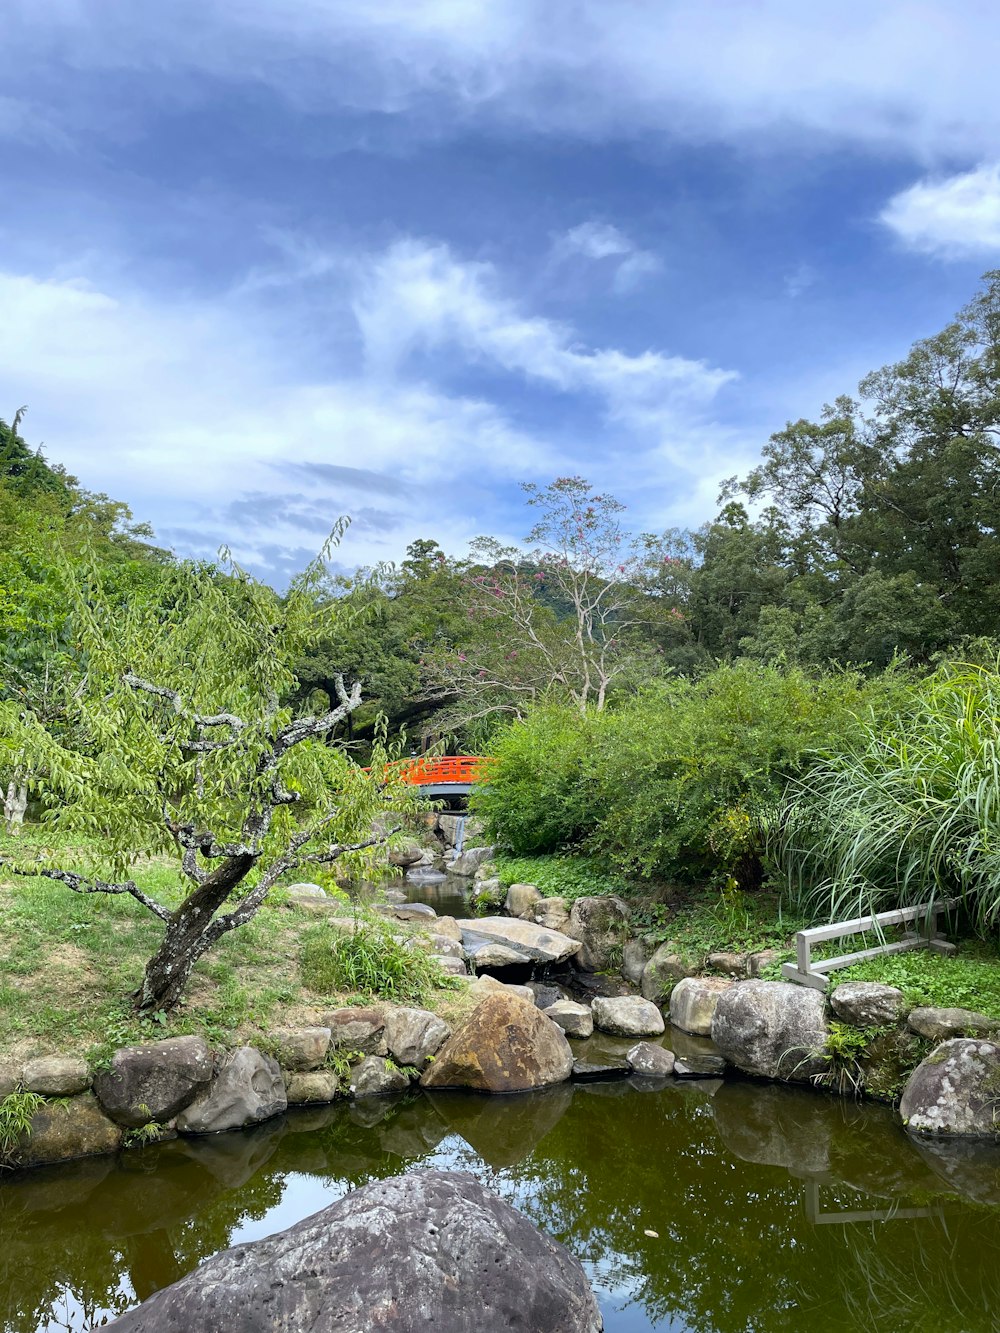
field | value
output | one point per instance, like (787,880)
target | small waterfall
(459,835)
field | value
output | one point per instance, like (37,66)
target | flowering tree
(567,617)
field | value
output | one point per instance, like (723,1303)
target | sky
(268,262)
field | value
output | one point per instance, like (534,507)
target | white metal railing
(809,972)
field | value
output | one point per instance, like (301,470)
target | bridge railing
(464,769)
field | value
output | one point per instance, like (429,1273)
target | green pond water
(773,1208)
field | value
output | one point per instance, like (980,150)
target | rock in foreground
(431,1250)
(773,1029)
(505,1045)
(954,1091)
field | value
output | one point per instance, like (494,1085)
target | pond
(721,1208)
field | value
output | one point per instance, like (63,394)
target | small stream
(716,1207)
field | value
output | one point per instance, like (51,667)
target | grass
(970,980)
(68,963)
(566,877)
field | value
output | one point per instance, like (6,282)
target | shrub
(371,960)
(566,877)
(910,810)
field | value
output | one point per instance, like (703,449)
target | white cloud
(418,296)
(954,217)
(600,241)
(915,75)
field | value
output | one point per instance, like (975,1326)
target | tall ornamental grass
(908,811)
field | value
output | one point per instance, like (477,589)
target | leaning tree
(177,737)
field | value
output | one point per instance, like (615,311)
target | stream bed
(772,1208)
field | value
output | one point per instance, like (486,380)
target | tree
(179,739)
(567,618)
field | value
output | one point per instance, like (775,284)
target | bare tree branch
(81,884)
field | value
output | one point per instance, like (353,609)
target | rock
(361,1030)
(469,861)
(552,913)
(650,1061)
(534,942)
(414,912)
(693,1001)
(521,900)
(484,952)
(393,897)
(576,1020)
(635,955)
(10,1078)
(60,1132)
(732,964)
(154,1081)
(448,926)
(544,995)
(887,1062)
(247,1089)
(955,1090)
(414,1035)
(662,972)
(940,1024)
(300,1049)
(305,891)
(408,853)
(56,1075)
(428,1250)
(594,1071)
(505,1045)
(700,1066)
(319,1085)
(765,958)
(601,925)
(774,1029)
(487,985)
(375,1077)
(627,1016)
(445,945)
(448,827)
(450,965)
(868,1004)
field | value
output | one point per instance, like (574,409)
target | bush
(371,961)
(682,782)
(910,810)
(566,877)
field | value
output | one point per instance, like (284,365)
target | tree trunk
(15,804)
(190,932)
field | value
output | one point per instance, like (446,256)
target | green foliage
(969,981)
(707,921)
(681,782)
(17,1110)
(370,959)
(566,877)
(908,810)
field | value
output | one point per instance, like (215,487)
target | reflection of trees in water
(716,1178)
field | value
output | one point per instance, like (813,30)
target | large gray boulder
(59,1132)
(576,1020)
(940,1024)
(469,861)
(301,1049)
(773,1029)
(552,913)
(693,1001)
(429,1250)
(505,1045)
(361,1029)
(955,1090)
(662,972)
(376,1077)
(154,1081)
(601,924)
(414,1036)
(533,942)
(56,1075)
(522,900)
(247,1089)
(627,1016)
(868,1004)
(635,955)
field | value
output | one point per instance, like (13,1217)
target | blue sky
(263,263)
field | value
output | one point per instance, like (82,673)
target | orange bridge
(450,775)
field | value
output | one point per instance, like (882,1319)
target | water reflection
(772,1205)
